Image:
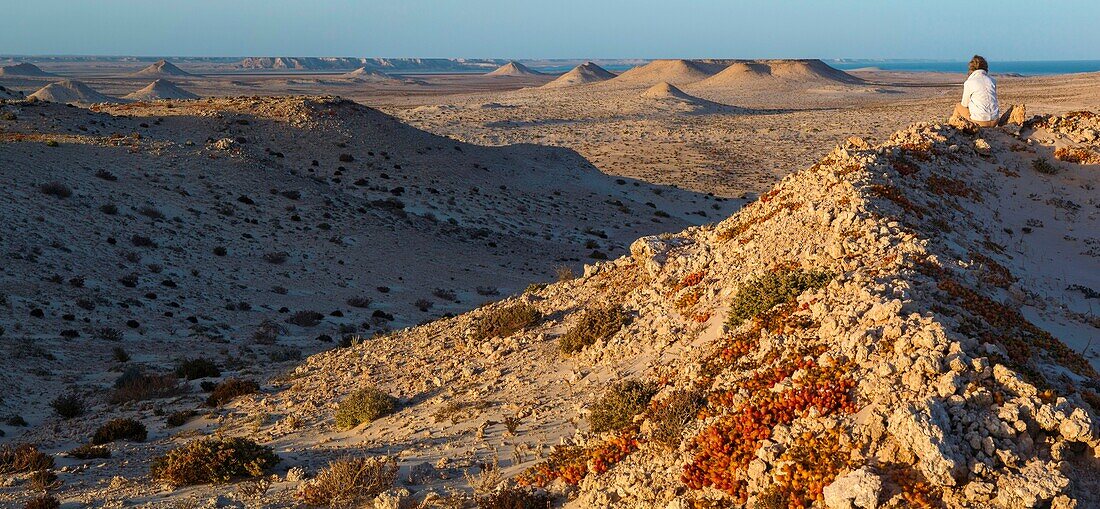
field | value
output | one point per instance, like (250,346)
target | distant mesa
(24,70)
(777,72)
(70,91)
(160,89)
(514,69)
(583,74)
(162,68)
(674,72)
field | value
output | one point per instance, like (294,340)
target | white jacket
(980,97)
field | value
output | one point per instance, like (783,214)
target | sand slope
(160,89)
(773,73)
(24,69)
(364,74)
(583,74)
(514,69)
(70,91)
(162,68)
(675,72)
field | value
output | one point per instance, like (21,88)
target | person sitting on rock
(979,101)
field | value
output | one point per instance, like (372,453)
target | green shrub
(231,388)
(594,326)
(615,410)
(364,405)
(507,320)
(350,481)
(68,405)
(193,369)
(43,502)
(18,459)
(120,429)
(773,288)
(213,460)
(89,451)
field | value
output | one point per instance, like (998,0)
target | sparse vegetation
(136,385)
(616,408)
(671,415)
(43,501)
(513,497)
(1044,166)
(507,320)
(360,302)
(364,405)
(276,257)
(765,292)
(595,325)
(176,419)
(350,481)
(268,332)
(68,405)
(231,388)
(213,460)
(120,429)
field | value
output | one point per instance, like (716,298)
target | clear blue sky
(1001,30)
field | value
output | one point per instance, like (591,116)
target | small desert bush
(360,302)
(135,385)
(231,388)
(507,320)
(120,429)
(670,416)
(43,501)
(179,418)
(268,332)
(514,497)
(68,405)
(305,318)
(56,189)
(193,369)
(364,405)
(18,459)
(350,481)
(1044,166)
(617,406)
(42,480)
(89,451)
(276,257)
(594,326)
(771,289)
(213,460)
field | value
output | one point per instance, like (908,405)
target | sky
(528,29)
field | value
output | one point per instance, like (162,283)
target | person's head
(978,62)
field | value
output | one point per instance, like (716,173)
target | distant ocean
(1025,67)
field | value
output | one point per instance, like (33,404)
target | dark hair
(978,62)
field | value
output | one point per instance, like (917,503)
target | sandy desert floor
(269,221)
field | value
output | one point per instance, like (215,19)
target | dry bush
(594,326)
(43,480)
(120,429)
(193,369)
(56,189)
(565,273)
(669,417)
(305,318)
(364,405)
(213,460)
(18,459)
(89,451)
(513,497)
(617,406)
(179,418)
(507,320)
(68,405)
(360,302)
(268,332)
(134,385)
(349,481)
(43,502)
(231,388)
